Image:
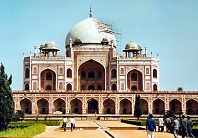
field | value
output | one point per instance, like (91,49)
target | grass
(28,131)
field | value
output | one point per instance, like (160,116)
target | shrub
(134,122)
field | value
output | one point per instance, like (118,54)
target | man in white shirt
(161,124)
(64,123)
(72,120)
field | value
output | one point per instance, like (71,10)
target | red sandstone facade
(92,78)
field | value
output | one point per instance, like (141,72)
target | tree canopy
(6,99)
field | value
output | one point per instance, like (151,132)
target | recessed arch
(134,78)
(26,106)
(69,73)
(27,87)
(91,73)
(27,73)
(125,106)
(154,73)
(155,87)
(43,106)
(114,87)
(76,106)
(92,106)
(59,105)
(48,80)
(158,107)
(113,73)
(144,105)
(69,86)
(109,106)
(175,106)
(192,107)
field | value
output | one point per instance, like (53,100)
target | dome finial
(90,12)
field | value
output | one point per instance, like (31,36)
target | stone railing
(106,91)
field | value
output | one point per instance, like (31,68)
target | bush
(134,122)
(28,131)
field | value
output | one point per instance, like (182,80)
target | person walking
(183,127)
(175,127)
(161,124)
(64,123)
(189,127)
(168,124)
(150,126)
(72,120)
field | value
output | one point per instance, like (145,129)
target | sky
(166,27)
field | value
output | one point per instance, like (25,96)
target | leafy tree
(179,89)
(6,99)
(138,107)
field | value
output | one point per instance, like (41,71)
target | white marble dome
(91,31)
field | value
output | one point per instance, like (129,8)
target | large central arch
(134,80)
(48,80)
(91,76)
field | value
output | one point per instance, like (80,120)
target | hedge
(134,122)
(28,131)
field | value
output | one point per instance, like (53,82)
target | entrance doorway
(92,106)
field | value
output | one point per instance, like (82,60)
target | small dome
(132,46)
(49,46)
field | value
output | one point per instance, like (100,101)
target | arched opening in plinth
(191,107)
(48,80)
(144,105)
(76,106)
(92,75)
(59,105)
(134,80)
(43,106)
(109,106)
(26,106)
(92,106)
(175,106)
(158,107)
(125,106)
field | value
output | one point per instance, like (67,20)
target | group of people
(176,125)
(65,122)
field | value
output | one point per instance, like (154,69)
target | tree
(138,107)
(6,99)
(179,89)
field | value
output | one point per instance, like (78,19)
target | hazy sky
(167,27)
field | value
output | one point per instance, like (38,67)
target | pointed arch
(125,106)
(76,106)
(59,105)
(26,106)
(158,107)
(43,106)
(192,107)
(109,106)
(175,106)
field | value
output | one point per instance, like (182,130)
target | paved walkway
(99,129)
